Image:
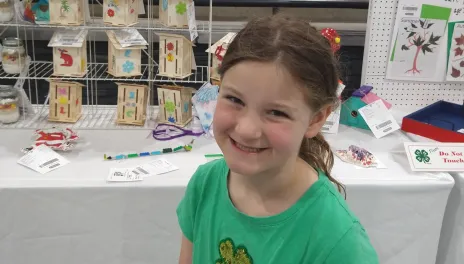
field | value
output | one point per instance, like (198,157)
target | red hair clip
(332,36)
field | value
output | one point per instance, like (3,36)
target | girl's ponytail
(317,153)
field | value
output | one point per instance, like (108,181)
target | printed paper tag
(68,38)
(129,37)
(157,167)
(123,175)
(332,123)
(379,119)
(432,156)
(192,22)
(141,8)
(43,159)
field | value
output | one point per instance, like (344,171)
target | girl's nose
(248,127)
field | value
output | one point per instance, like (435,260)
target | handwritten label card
(379,119)
(123,175)
(432,156)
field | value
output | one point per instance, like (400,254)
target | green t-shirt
(318,229)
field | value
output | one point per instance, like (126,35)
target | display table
(72,215)
(451,247)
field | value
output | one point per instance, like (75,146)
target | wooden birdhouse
(132,104)
(121,12)
(123,61)
(218,51)
(363,96)
(66,12)
(69,53)
(65,101)
(175,104)
(176,58)
(173,13)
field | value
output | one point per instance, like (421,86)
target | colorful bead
(156,153)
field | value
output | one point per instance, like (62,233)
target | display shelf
(93,117)
(43,70)
(97,24)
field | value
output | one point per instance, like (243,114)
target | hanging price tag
(192,22)
(331,124)
(379,119)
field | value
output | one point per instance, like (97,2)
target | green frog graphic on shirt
(229,254)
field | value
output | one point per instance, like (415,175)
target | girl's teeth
(247,149)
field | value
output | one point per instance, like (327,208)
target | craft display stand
(380,24)
(95,70)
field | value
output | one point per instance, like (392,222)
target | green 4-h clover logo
(181,8)
(422,156)
(230,254)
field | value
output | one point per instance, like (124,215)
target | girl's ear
(318,121)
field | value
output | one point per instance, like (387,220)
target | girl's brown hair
(307,56)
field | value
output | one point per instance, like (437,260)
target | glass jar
(6,10)
(13,55)
(9,109)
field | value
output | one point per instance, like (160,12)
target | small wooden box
(69,60)
(132,104)
(121,12)
(123,62)
(175,104)
(66,12)
(173,13)
(176,58)
(65,101)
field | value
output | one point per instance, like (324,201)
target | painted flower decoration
(110,12)
(186,106)
(132,10)
(422,156)
(170,107)
(231,254)
(171,119)
(165,5)
(181,8)
(128,66)
(127,53)
(170,46)
(170,57)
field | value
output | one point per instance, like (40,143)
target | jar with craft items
(13,55)
(7,10)
(9,109)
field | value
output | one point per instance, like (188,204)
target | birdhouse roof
(176,36)
(66,82)
(112,38)
(227,39)
(68,38)
(175,87)
(131,84)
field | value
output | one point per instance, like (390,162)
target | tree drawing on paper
(65,8)
(458,52)
(419,39)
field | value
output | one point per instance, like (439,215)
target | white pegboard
(380,24)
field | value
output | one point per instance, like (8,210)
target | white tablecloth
(72,215)
(451,247)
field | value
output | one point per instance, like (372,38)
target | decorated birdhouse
(363,96)
(66,12)
(175,104)
(65,101)
(124,61)
(173,13)
(69,53)
(132,104)
(218,51)
(121,12)
(176,58)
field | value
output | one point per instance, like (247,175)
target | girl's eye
(234,100)
(278,113)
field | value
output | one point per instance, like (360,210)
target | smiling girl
(272,200)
